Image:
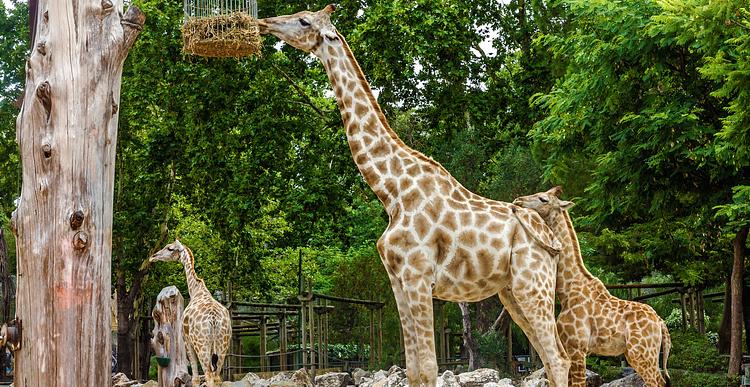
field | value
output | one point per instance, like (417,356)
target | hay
(234,35)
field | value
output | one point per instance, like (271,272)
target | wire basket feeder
(221,28)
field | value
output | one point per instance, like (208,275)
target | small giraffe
(591,320)
(442,240)
(206,323)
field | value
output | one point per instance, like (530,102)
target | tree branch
(307,100)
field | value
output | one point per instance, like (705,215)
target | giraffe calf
(591,319)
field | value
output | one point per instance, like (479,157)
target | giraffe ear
(330,8)
(557,191)
(564,204)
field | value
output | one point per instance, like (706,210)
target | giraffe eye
(304,22)
(170,248)
(543,199)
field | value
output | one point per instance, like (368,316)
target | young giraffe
(206,323)
(442,240)
(591,320)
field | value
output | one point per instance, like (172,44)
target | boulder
(632,380)
(120,380)
(239,383)
(478,377)
(150,383)
(536,379)
(448,379)
(358,375)
(333,379)
(501,383)
(302,378)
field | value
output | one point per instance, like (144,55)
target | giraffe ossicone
(206,323)
(442,240)
(591,320)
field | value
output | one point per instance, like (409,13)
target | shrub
(683,378)
(694,352)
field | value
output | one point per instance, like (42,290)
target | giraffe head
(170,252)
(544,202)
(307,31)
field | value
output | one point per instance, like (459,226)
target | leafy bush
(683,378)
(493,348)
(608,368)
(694,352)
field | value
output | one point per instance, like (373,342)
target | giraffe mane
(381,117)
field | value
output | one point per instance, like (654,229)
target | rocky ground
(395,377)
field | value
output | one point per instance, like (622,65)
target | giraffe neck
(570,269)
(377,150)
(196,286)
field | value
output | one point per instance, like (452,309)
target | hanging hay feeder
(221,28)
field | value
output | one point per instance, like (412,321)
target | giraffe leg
(193,361)
(577,374)
(419,295)
(537,305)
(646,364)
(514,310)
(407,329)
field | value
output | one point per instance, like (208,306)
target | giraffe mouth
(263,27)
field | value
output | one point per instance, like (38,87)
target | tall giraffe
(591,320)
(442,240)
(206,323)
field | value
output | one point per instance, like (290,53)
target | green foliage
(693,351)
(686,378)
(609,368)
(493,346)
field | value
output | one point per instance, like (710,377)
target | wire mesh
(221,28)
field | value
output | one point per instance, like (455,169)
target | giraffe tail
(666,343)
(214,362)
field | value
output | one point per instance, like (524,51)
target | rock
(239,383)
(250,377)
(593,379)
(120,380)
(501,383)
(448,379)
(150,383)
(536,379)
(478,377)
(301,378)
(633,380)
(358,375)
(333,379)
(282,383)
(283,376)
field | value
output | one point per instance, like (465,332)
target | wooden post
(371,361)
(700,312)
(509,338)
(282,341)
(380,335)
(683,310)
(303,330)
(168,341)
(263,342)
(311,315)
(67,135)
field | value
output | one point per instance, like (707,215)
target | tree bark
(725,327)
(167,340)
(67,133)
(7,281)
(735,348)
(469,343)
(746,311)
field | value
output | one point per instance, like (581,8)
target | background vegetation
(639,109)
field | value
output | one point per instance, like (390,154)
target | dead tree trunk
(469,343)
(735,347)
(167,340)
(67,133)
